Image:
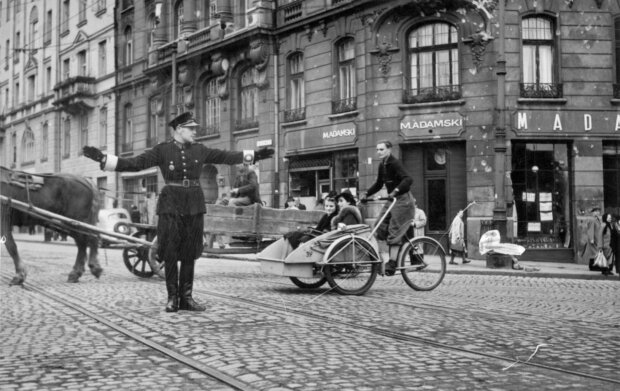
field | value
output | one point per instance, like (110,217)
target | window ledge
(548,101)
(444,103)
(43,159)
(100,12)
(294,123)
(245,131)
(353,113)
(81,23)
(615,102)
(28,163)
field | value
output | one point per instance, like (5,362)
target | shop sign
(431,125)
(574,121)
(344,134)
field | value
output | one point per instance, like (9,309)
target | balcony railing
(344,105)
(246,123)
(295,115)
(290,12)
(616,91)
(541,90)
(74,92)
(432,94)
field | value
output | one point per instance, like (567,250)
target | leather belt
(184,183)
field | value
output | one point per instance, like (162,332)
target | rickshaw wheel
(351,266)
(136,259)
(422,262)
(309,283)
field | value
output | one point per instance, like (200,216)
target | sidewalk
(545,269)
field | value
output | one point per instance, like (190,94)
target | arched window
(539,73)
(248,100)
(28,147)
(346,95)
(128,46)
(433,63)
(45,141)
(296,88)
(34,28)
(211,107)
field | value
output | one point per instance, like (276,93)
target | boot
(390,268)
(172,286)
(186,284)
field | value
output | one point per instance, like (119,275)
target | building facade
(56,83)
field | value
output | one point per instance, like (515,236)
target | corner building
(512,105)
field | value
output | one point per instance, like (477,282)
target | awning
(304,164)
(135,174)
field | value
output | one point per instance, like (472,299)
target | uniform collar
(180,144)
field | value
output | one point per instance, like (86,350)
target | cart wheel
(136,259)
(309,283)
(351,265)
(422,262)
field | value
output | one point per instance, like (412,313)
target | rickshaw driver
(181,204)
(398,182)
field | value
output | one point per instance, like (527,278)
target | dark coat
(247,184)
(348,215)
(393,175)
(178,162)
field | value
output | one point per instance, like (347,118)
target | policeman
(181,204)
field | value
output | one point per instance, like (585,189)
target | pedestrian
(290,204)
(299,205)
(397,182)
(181,204)
(606,242)
(594,230)
(615,241)
(135,214)
(457,239)
(419,220)
(348,213)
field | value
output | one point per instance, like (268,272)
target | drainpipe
(499,210)
(276,122)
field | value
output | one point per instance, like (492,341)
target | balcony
(344,105)
(290,12)
(432,94)
(295,115)
(76,94)
(541,90)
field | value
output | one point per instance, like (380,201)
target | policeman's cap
(185,119)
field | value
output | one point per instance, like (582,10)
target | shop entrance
(439,183)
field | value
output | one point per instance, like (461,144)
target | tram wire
(287,310)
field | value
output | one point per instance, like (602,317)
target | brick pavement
(274,349)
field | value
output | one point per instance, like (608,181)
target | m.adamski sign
(545,122)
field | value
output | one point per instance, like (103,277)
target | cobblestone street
(473,332)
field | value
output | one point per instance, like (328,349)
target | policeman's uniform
(181,204)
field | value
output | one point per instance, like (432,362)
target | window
(178,20)
(28,147)
(296,93)
(248,100)
(81,57)
(48,80)
(103,127)
(100,5)
(150,35)
(66,69)
(103,59)
(34,28)
(539,79)
(240,13)
(611,176)
(127,128)
(212,9)
(617,85)
(18,44)
(48,28)
(211,107)
(128,46)
(346,171)
(45,141)
(16,97)
(83,121)
(66,149)
(81,11)
(14,149)
(433,64)
(64,20)
(346,96)
(7,54)
(155,121)
(31,86)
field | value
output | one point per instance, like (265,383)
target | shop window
(296,91)
(346,171)
(433,74)
(211,108)
(540,182)
(611,177)
(346,95)
(539,62)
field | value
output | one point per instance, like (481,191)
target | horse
(68,195)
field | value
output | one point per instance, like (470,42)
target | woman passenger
(349,214)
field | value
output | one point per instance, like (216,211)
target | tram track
(288,310)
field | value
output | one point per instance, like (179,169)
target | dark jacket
(178,162)
(348,215)
(392,173)
(247,184)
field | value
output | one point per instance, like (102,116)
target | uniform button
(184,170)
(184,163)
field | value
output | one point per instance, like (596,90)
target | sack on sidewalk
(600,260)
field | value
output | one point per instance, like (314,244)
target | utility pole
(499,210)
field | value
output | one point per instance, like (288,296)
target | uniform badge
(171,166)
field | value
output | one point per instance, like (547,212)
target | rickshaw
(349,260)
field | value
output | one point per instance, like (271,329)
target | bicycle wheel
(309,283)
(352,264)
(422,262)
